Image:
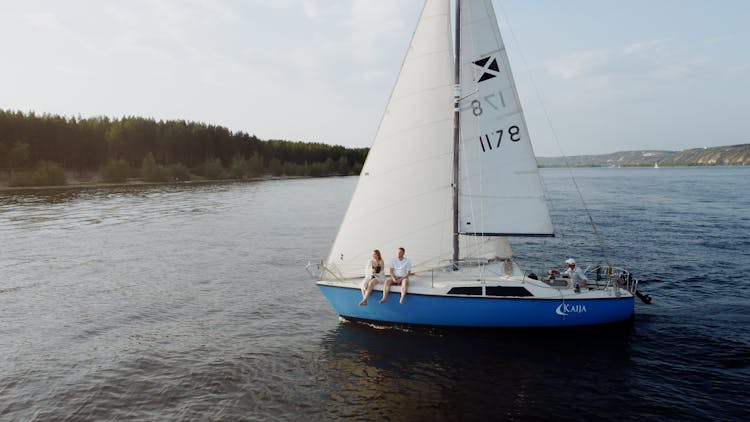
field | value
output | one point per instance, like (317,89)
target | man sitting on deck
(400,272)
(576,275)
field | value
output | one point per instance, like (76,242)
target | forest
(41,150)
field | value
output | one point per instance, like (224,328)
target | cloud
(316,10)
(370,49)
(385,15)
(170,29)
(276,4)
(578,64)
(341,35)
(371,74)
(43,20)
(642,47)
(653,60)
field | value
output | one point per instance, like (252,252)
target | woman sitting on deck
(373,275)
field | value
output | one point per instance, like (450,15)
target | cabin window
(472,291)
(508,291)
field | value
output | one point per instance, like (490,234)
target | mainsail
(404,193)
(403,197)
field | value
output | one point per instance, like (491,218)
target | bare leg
(404,285)
(370,286)
(365,284)
(386,289)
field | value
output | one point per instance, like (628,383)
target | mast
(456,131)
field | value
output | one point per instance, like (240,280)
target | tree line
(35,148)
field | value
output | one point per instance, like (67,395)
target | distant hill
(734,155)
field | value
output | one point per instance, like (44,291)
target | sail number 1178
(492,141)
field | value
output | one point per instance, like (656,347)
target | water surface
(191,302)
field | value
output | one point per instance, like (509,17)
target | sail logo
(564,309)
(489,66)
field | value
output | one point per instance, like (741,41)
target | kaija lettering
(565,309)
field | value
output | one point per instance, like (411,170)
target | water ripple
(191,302)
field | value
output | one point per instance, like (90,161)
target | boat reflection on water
(408,373)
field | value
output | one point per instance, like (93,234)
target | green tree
(276,168)
(178,172)
(49,173)
(329,167)
(293,169)
(212,169)
(46,173)
(255,165)
(18,156)
(238,167)
(3,154)
(86,144)
(318,170)
(115,171)
(152,172)
(342,166)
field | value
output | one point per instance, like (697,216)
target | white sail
(403,196)
(499,184)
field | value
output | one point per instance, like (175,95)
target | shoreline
(138,182)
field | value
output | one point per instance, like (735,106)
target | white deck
(439,283)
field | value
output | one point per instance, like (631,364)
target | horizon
(112,118)
(322,71)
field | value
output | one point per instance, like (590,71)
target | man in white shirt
(400,272)
(577,277)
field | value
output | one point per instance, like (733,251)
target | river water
(192,302)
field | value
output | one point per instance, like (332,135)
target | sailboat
(450,176)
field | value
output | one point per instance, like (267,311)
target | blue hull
(481,311)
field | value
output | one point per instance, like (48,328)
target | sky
(594,76)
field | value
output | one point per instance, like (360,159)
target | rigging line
(600,238)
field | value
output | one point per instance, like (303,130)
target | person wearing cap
(576,274)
